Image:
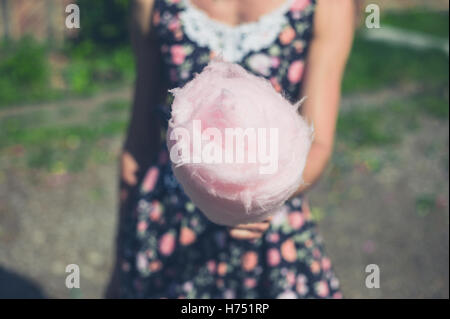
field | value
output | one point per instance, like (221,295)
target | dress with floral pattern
(171,250)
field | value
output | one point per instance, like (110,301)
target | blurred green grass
(418,20)
(90,70)
(374,65)
(42,140)
(376,125)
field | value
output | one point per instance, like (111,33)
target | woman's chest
(274,46)
(236,12)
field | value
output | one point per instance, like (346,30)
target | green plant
(88,71)
(104,23)
(25,72)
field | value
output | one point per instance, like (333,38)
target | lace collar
(233,43)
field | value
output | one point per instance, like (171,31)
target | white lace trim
(233,43)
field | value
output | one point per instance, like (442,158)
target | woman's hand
(129,168)
(250,231)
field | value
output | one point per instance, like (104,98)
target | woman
(166,247)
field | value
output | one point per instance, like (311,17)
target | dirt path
(76,103)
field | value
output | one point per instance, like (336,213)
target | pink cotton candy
(225,96)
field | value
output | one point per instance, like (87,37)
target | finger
(129,169)
(261,227)
(129,177)
(244,234)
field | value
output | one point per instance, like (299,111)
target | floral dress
(170,249)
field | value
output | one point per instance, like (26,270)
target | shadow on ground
(16,286)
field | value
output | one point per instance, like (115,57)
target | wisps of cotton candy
(224,95)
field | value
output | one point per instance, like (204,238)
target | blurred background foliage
(105,23)
(98,57)
(26,64)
